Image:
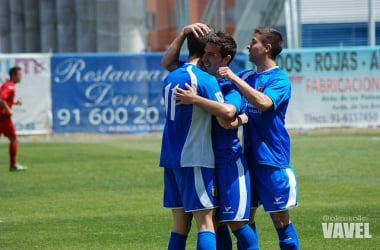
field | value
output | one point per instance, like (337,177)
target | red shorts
(7,128)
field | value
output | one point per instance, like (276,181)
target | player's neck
(195,61)
(266,66)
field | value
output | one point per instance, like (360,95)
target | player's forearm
(218,109)
(170,59)
(4,104)
(233,123)
(256,98)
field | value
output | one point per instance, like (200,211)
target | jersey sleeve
(7,92)
(232,96)
(279,90)
(210,88)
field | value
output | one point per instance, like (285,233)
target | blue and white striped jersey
(186,139)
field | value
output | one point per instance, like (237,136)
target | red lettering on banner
(296,79)
(342,85)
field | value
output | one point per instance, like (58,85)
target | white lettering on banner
(75,69)
(99,94)
(109,116)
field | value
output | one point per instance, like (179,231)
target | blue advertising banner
(110,93)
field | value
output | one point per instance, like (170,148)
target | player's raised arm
(170,59)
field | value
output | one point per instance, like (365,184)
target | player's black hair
(272,37)
(196,45)
(14,70)
(226,42)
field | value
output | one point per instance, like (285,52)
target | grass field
(107,193)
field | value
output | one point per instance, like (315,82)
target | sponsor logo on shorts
(227,210)
(278,200)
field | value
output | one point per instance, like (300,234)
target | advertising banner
(107,93)
(333,87)
(34,115)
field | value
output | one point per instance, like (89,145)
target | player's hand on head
(198,29)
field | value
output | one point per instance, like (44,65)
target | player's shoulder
(8,85)
(277,72)
(244,74)
(206,76)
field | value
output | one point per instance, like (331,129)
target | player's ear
(227,59)
(268,47)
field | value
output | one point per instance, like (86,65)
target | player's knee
(280,219)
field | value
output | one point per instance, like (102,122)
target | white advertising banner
(34,115)
(333,87)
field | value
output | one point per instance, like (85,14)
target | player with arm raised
(231,170)
(187,155)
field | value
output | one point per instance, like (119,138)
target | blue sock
(206,240)
(223,238)
(177,241)
(288,237)
(246,237)
(253,226)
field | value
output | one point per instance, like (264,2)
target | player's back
(186,140)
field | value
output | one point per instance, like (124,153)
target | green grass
(107,194)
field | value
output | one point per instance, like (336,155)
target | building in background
(167,17)
(66,26)
(130,26)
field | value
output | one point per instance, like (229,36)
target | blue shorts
(190,188)
(233,191)
(275,188)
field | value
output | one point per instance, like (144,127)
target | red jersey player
(7,128)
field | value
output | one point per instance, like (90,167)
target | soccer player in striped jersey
(266,140)
(186,153)
(231,170)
